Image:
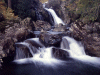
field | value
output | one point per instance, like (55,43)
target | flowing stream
(33,58)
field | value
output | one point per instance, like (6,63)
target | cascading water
(43,54)
(72,45)
(77,51)
(44,60)
(57,20)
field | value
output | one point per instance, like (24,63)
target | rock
(1,17)
(59,53)
(65,44)
(39,25)
(33,43)
(22,51)
(59,28)
(14,31)
(50,39)
(33,9)
(20,31)
(89,35)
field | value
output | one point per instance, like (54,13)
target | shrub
(6,12)
(89,9)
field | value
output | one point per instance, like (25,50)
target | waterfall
(77,51)
(35,51)
(57,20)
(39,53)
(72,45)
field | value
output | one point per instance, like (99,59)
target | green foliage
(6,12)
(88,9)
(22,8)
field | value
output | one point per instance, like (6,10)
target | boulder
(33,43)
(59,53)
(50,39)
(41,25)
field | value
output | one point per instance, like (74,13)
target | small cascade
(73,46)
(57,20)
(27,48)
(77,51)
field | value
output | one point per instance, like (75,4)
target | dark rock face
(30,8)
(41,25)
(50,39)
(89,35)
(59,53)
(1,17)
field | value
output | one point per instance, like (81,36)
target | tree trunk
(9,3)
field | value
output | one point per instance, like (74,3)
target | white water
(77,51)
(44,55)
(75,48)
(57,20)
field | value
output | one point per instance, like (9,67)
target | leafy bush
(7,12)
(89,9)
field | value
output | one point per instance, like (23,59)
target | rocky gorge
(38,19)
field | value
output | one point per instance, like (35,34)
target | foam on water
(76,48)
(44,56)
(77,52)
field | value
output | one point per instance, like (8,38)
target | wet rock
(50,39)
(14,31)
(22,51)
(33,43)
(41,25)
(59,53)
(65,44)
